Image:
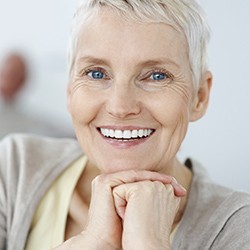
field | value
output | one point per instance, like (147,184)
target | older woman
(138,76)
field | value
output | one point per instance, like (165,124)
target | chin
(112,166)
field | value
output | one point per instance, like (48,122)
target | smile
(125,135)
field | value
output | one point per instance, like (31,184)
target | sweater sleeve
(235,234)
(3,202)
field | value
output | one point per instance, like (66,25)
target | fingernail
(179,186)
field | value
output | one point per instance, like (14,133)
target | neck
(84,183)
(183,176)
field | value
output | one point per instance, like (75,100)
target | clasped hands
(129,210)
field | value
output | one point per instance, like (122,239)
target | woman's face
(131,94)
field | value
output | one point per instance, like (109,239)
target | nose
(123,101)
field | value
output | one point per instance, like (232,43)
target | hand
(148,209)
(104,227)
(104,221)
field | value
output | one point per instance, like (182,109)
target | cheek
(174,122)
(83,106)
(175,125)
(170,109)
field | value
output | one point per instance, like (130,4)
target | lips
(133,134)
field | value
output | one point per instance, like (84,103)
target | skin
(134,183)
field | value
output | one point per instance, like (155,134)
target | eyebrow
(92,59)
(146,63)
(160,61)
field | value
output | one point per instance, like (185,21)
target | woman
(137,77)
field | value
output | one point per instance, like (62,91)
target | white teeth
(126,134)
(111,132)
(118,134)
(104,131)
(141,133)
(134,134)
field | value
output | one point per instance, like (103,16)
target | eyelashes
(151,79)
(98,73)
(158,75)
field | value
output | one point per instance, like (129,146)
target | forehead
(108,34)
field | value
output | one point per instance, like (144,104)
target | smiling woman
(137,77)
(121,93)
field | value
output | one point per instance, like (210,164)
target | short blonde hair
(185,16)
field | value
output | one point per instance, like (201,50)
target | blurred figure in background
(13,77)
(13,74)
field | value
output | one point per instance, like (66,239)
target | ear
(201,99)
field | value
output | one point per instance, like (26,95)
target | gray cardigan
(215,217)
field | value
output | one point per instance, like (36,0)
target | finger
(110,181)
(120,201)
(131,176)
(140,190)
(179,190)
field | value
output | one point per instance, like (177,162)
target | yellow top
(48,226)
(49,222)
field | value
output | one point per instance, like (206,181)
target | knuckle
(169,188)
(173,180)
(99,179)
(158,185)
(135,189)
(134,173)
(96,180)
(147,187)
(141,187)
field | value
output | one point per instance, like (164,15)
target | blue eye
(96,74)
(158,76)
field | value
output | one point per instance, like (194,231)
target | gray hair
(185,16)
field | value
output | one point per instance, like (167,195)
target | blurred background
(39,30)
(220,140)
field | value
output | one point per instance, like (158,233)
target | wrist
(94,242)
(148,246)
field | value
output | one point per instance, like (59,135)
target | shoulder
(235,232)
(218,196)
(21,142)
(212,213)
(32,146)
(27,161)
(28,166)
(28,156)
(217,202)
(25,156)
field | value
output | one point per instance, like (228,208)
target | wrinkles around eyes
(182,90)
(79,82)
